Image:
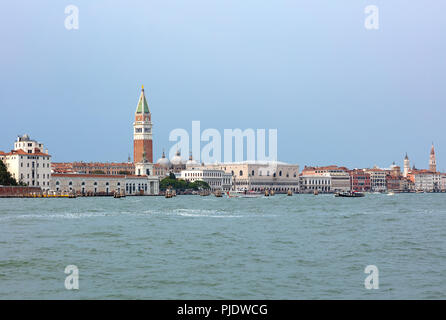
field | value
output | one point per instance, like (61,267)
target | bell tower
(406,166)
(142,131)
(432,161)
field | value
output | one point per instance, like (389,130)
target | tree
(5,176)
(199,184)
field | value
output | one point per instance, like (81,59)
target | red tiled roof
(23,153)
(84,175)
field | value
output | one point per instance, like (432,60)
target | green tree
(5,177)
(199,184)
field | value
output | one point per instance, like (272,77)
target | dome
(163,161)
(191,162)
(176,160)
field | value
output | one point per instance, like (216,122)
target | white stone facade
(101,184)
(216,179)
(28,164)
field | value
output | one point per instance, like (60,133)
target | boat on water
(205,193)
(243,194)
(289,193)
(218,194)
(352,194)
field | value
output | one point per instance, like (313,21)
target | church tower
(432,161)
(406,166)
(142,132)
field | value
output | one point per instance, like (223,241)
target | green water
(191,247)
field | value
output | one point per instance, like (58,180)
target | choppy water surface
(191,247)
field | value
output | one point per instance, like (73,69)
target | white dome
(191,161)
(176,160)
(163,161)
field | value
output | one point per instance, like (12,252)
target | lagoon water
(192,247)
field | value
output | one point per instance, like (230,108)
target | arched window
(252,173)
(70,183)
(83,183)
(241,173)
(280,173)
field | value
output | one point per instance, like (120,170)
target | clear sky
(337,92)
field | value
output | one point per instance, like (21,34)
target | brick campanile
(142,131)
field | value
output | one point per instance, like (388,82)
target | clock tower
(142,132)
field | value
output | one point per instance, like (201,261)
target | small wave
(54,216)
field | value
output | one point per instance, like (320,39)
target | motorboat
(351,194)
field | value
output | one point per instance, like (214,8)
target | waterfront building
(406,185)
(425,180)
(258,175)
(360,180)
(104,184)
(339,176)
(312,183)
(443,182)
(378,182)
(393,182)
(28,163)
(142,131)
(215,178)
(110,168)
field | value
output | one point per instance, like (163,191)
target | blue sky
(336,92)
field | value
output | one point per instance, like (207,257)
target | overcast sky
(336,92)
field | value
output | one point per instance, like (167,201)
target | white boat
(244,194)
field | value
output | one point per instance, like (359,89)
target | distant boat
(289,193)
(218,194)
(315,192)
(390,193)
(349,194)
(244,194)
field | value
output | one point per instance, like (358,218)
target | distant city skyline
(336,92)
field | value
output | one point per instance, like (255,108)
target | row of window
(267,173)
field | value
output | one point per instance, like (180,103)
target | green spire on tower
(143,106)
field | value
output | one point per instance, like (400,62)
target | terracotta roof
(23,153)
(84,175)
